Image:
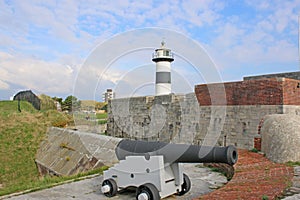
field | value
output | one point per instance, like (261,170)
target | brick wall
(272,91)
(291,92)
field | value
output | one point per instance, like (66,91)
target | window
(166,53)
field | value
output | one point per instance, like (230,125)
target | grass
(20,136)
(214,169)
(101,115)
(90,119)
(7,107)
(102,118)
(102,122)
(48,181)
(293,164)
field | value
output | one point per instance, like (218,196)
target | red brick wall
(291,92)
(257,143)
(248,92)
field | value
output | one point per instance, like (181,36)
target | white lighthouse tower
(163,58)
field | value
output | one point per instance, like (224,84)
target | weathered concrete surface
(180,119)
(281,137)
(203,181)
(67,152)
(294,197)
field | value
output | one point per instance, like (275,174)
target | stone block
(67,152)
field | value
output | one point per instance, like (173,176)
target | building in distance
(109,94)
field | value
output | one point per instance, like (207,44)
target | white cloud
(267,38)
(3,85)
(52,38)
(200,13)
(39,75)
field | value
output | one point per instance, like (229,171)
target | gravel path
(203,181)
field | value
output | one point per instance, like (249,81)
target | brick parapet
(271,91)
(291,92)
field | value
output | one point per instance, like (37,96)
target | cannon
(154,168)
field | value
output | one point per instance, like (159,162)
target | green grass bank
(20,136)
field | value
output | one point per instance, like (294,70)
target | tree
(58,99)
(104,107)
(71,104)
(99,105)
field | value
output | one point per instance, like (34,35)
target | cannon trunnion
(154,168)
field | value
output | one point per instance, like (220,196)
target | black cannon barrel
(183,153)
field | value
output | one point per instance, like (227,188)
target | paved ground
(255,177)
(203,181)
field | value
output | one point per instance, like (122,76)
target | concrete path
(203,181)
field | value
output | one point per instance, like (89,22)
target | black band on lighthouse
(163,77)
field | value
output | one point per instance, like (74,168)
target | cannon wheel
(148,190)
(186,186)
(113,187)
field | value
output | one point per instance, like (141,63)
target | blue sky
(44,44)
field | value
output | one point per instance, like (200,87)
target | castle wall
(272,91)
(291,92)
(221,113)
(250,92)
(182,121)
(240,124)
(162,118)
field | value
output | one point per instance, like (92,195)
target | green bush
(58,119)
(254,150)
(265,197)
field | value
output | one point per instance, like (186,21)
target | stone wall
(242,124)
(219,113)
(291,75)
(182,120)
(281,137)
(67,152)
(290,109)
(164,118)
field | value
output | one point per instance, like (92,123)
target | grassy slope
(20,136)
(101,116)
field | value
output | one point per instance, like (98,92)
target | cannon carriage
(154,168)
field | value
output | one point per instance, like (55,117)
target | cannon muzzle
(182,153)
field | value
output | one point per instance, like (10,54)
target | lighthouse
(163,58)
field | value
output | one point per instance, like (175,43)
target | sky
(60,48)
